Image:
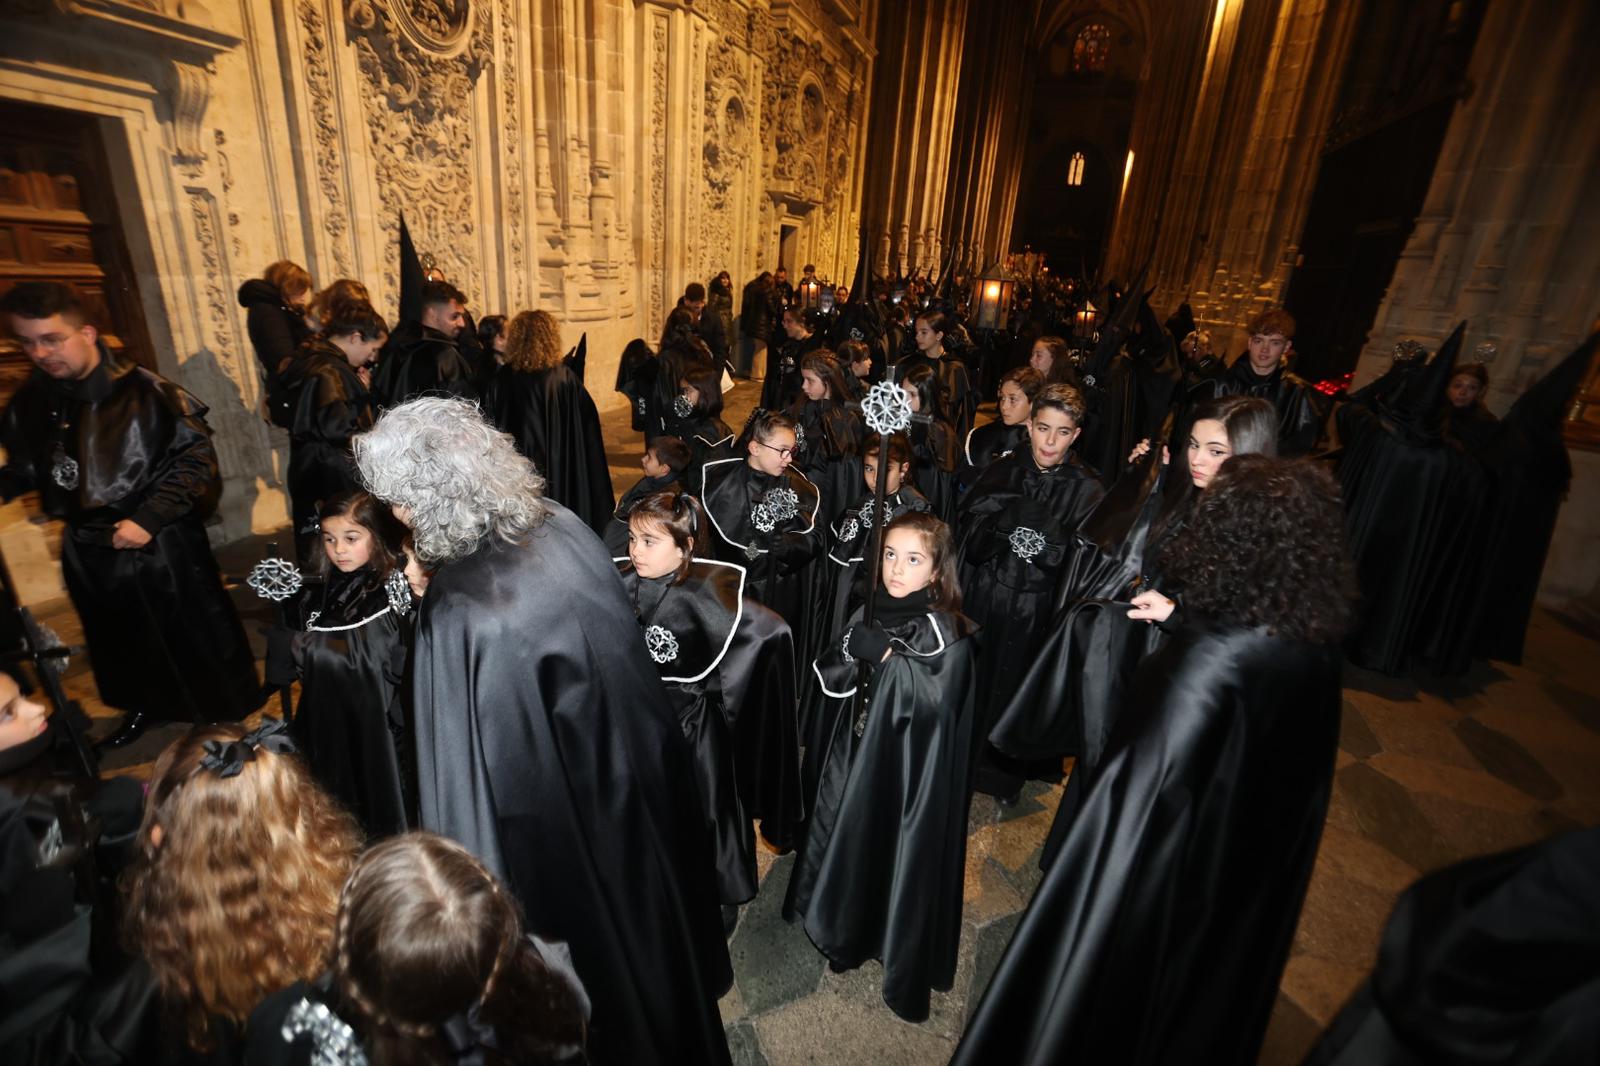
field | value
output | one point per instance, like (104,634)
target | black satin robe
(880,874)
(331,406)
(781,389)
(779,559)
(1161,931)
(1010,594)
(933,465)
(708,438)
(987,443)
(1414,508)
(417,361)
(553,420)
(547,745)
(163,636)
(349,720)
(828,451)
(1301,409)
(958,399)
(1491,961)
(708,640)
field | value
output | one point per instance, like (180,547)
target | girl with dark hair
(538,399)
(990,441)
(492,338)
(327,390)
(1051,358)
(933,441)
(1214,788)
(728,666)
(1016,526)
(233,891)
(956,401)
(828,429)
(346,647)
(1067,697)
(430,966)
(855,359)
(763,514)
(696,415)
(680,348)
(842,578)
(880,873)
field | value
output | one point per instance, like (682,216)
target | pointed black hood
(1540,411)
(411,277)
(1417,406)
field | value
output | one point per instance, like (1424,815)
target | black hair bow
(227,758)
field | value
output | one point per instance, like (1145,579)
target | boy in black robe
(125,458)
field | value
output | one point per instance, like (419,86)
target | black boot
(134,723)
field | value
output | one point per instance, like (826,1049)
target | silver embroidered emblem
(333,1042)
(784,504)
(752,552)
(850,530)
(868,510)
(762,518)
(799,438)
(661,644)
(682,407)
(274,579)
(399,592)
(844,648)
(1026,543)
(64,472)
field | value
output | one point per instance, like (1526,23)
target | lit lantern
(810,293)
(995,288)
(1085,321)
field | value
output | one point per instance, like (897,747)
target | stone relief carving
(511,122)
(190,92)
(658,163)
(325,132)
(420,61)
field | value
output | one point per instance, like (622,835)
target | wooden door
(58,223)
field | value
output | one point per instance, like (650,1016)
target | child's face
(1052,432)
(813,385)
(773,455)
(690,393)
(913,399)
(1014,404)
(652,550)
(348,544)
(907,562)
(653,466)
(897,474)
(862,368)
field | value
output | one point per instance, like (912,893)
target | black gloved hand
(867,642)
(280,669)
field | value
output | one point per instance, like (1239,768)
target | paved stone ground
(1429,772)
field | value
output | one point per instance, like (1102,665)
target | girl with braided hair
(233,892)
(430,964)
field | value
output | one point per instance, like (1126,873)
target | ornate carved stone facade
(589,157)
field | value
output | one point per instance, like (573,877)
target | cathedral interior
(1381,170)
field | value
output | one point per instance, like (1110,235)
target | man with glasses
(124,457)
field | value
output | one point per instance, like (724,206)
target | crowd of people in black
(514,813)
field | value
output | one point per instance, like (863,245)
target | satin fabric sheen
(331,406)
(880,874)
(547,744)
(1161,932)
(164,637)
(553,420)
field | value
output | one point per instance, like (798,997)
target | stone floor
(1429,772)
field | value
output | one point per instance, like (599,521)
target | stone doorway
(58,222)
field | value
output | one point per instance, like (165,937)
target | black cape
(828,446)
(553,420)
(163,636)
(738,499)
(418,360)
(616,531)
(880,875)
(841,577)
(349,720)
(331,406)
(707,436)
(987,443)
(708,641)
(1301,408)
(781,389)
(547,745)
(933,464)
(1014,528)
(1165,923)
(1492,961)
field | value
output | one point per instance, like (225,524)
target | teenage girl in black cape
(829,431)
(1165,924)
(880,873)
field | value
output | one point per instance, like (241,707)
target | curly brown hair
(234,890)
(1265,547)
(533,341)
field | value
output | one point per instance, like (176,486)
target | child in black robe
(695,416)
(828,431)
(880,873)
(666,462)
(933,442)
(763,515)
(348,621)
(1015,530)
(724,660)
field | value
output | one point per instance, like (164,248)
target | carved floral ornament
(439,28)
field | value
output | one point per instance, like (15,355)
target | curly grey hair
(460,478)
